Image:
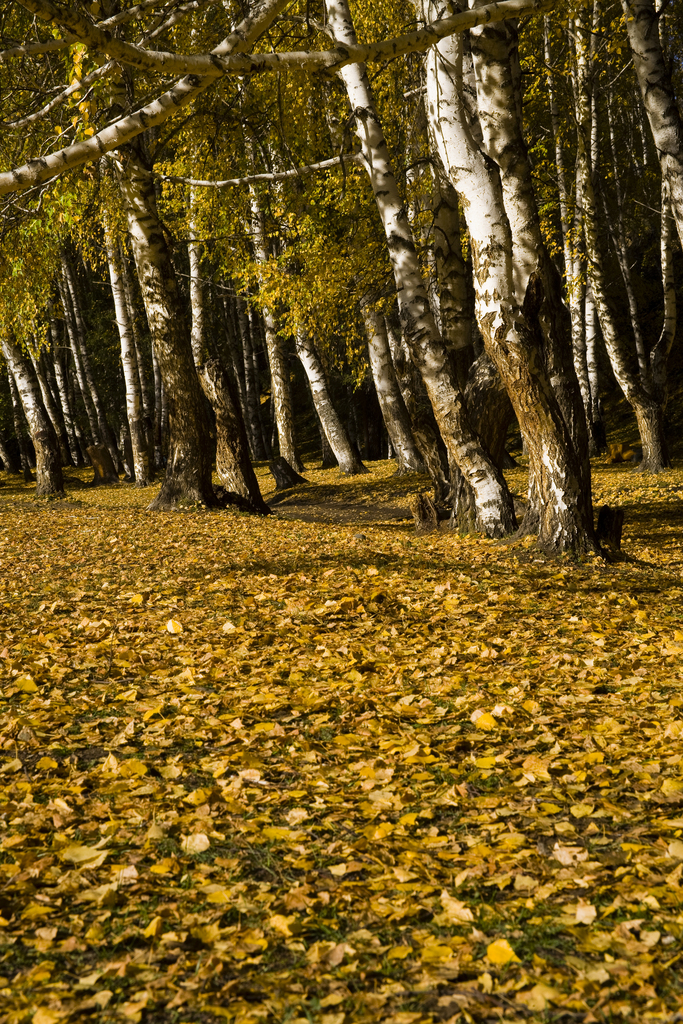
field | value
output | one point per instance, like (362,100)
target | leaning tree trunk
(277,356)
(494,509)
(660,353)
(394,412)
(659,98)
(63,392)
(422,422)
(188,471)
(52,411)
(564,503)
(129,361)
(233,464)
(104,430)
(495,54)
(49,481)
(20,429)
(647,410)
(337,435)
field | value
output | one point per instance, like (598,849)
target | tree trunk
(561,486)
(423,424)
(148,409)
(660,353)
(20,429)
(257,445)
(659,98)
(337,436)
(103,466)
(618,233)
(495,52)
(647,410)
(104,430)
(72,332)
(495,511)
(572,250)
(277,356)
(159,432)
(188,471)
(393,408)
(451,277)
(52,411)
(591,321)
(49,481)
(134,411)
(233,464)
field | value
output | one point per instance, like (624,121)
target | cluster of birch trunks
(457,348)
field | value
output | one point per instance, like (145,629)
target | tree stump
(424,513)
(610,525)
(621,453)
(102,465)
(284,475)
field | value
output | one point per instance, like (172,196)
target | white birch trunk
(565,516)
(104,430)
(647,410)
(49,480)
(52,410)
(131,376)
(660,352)
(659,98)
(493,508)
(335,431)
(277,357)
(391,403)
(188,470)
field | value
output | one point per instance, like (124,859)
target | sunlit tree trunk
(335,431)
(188,470)
(659,98)
(647,410)
(49,480)
(562,500)
(493,511)
(277,356)
(394,412)
(134,411)
(495,52)
(660,352)
(591,320)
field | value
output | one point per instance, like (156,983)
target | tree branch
(295,172)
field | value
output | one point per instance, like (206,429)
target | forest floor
(271,770)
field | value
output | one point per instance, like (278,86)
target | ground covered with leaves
(281,771)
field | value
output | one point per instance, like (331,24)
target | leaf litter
(264,770)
